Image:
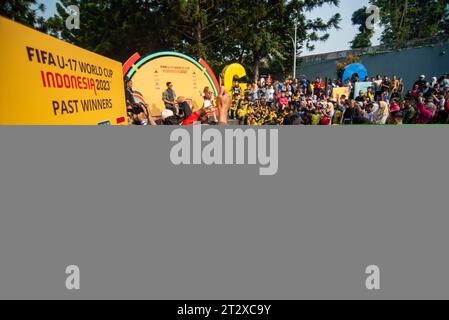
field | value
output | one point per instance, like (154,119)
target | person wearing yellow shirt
(252,121)
(394,86)
(296,102)
(338,115)
(316,119)
(241,115)
(233,108)
(370,94)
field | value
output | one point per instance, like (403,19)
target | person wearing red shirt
(319,87)
(283,101)
(394,106)
(325,121)
(424,115)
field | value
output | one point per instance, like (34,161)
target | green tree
(115,28)
(262,35)
(24,11)
(310,31)
(363,38)
(408,20)
(197,24)
(256,33)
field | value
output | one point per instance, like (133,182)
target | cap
(167,114)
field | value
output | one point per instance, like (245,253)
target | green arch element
(143,61)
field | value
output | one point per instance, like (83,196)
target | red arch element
(211,73)
(131,61)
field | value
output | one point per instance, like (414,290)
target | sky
(339,39)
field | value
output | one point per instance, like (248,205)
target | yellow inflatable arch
(231,72)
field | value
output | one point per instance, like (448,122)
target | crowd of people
(305,102)
(302,101)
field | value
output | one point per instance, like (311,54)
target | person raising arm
(223,102)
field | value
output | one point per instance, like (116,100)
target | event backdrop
(46,81)
(151,73)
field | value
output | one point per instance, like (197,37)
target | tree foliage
(26,12)
(350,59)
(363,38)
(256,33)
(406,20)
(114,28)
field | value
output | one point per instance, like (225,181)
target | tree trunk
(199,34)
(404,13)
(256,70)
